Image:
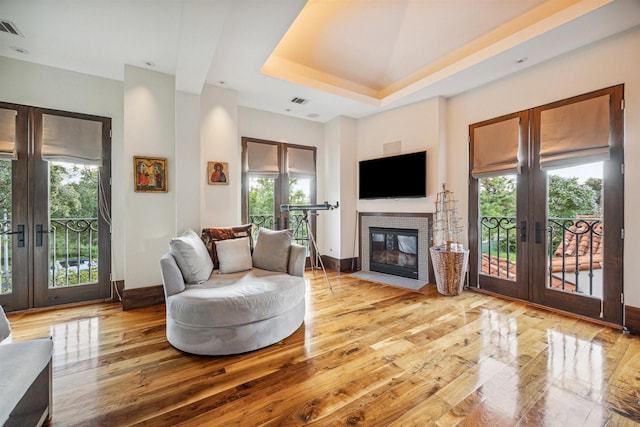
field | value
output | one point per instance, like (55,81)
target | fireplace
(417,223)
(394,251)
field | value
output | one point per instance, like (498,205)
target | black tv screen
(404,175)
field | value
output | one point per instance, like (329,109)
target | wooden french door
(51,254)
(550,230)
(15,260)
(497,232)
(577,260)
(274,174)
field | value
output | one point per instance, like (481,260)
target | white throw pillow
(192,257)
(234,255)
(272,250)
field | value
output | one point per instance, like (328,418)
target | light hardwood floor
(367,355)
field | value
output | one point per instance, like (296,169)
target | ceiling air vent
(9,27)
(299,101)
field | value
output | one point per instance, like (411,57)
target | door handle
(20,234)
(538,232)
(523,231)
(39,233)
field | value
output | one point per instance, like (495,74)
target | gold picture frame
(150,174)
(218,173)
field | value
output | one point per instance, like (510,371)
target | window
(273,174)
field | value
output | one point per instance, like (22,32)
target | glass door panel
(262,207)
(575,230)
(501,236)
(570,237)
(6,228)
(300,194)
(73,226)
(498,230)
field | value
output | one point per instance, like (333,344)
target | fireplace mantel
(420,221)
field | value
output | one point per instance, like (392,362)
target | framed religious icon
(150,174)
(218,173)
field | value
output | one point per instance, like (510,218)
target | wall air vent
(299,101)
(9,27)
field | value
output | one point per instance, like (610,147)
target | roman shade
(8,134)
(73,140)
(300,161)
(496,149)
(575,133)
(262,158)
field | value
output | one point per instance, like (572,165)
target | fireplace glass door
(394,251)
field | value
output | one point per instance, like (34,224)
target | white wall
(348,188)
(332,175)
(149,130)
(340,177)
(603,64)
(188,180)
(260,124)
(39,86)
(219,141)
(417,127)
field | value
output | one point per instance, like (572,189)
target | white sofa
(250,301)
(25,379)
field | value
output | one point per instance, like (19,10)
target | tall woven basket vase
(449,268)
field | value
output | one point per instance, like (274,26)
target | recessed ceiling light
(20,50)
(150,64)
(521,60)
(313,115)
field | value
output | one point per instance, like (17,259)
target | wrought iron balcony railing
(5,255)
(260,220)
(73,252)
(499,235)
(574,251)
(268,221)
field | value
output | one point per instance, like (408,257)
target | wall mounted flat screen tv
(404,175)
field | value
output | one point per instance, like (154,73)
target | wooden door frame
(45,297)
(608,308)
(613,210)
(33,290)
(519,289)
(21,295)
(281,182)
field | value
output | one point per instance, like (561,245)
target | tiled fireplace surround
(414,221)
